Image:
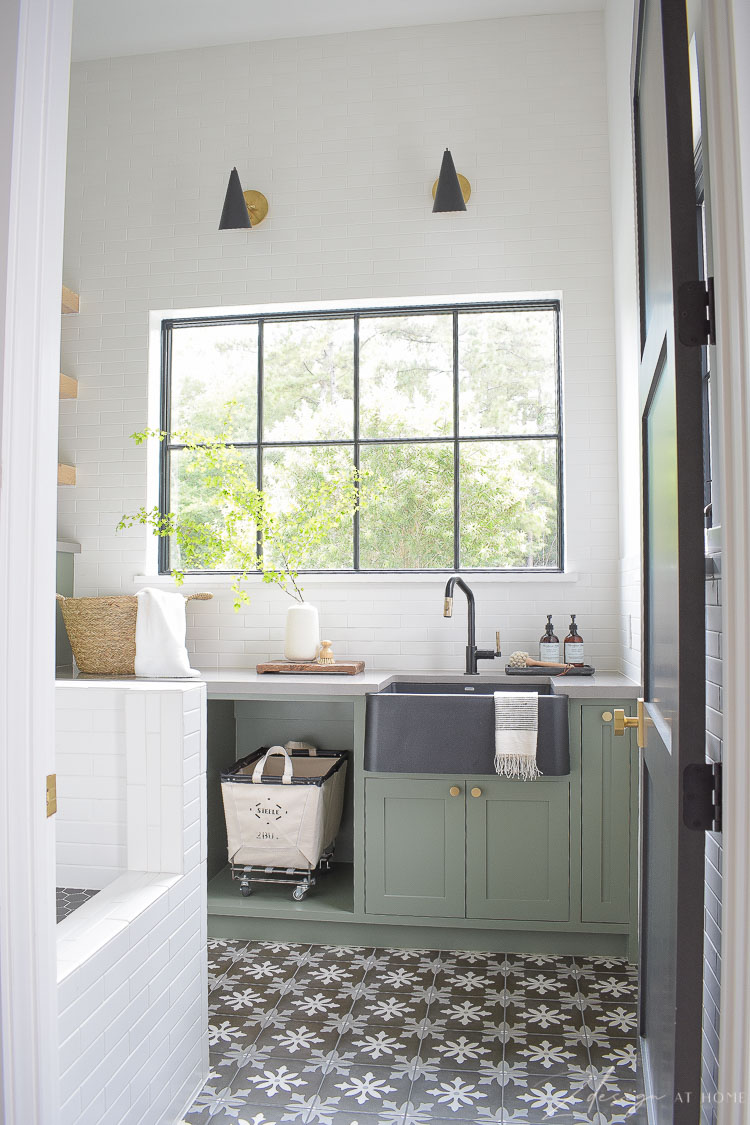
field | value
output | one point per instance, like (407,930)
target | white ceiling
(104,28)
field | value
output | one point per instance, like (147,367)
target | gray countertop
(244,684)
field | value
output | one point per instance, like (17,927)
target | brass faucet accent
(473,654)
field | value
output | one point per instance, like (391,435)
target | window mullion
(356,441)
(165,455)
(259,439)
(456,462)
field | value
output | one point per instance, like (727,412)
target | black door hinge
(701,797)
(696,315)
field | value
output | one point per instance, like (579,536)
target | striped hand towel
(516,722)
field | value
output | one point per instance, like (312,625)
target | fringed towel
(516,722)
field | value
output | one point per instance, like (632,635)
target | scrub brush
(325,656)
(523,660)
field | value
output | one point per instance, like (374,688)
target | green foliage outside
(219,513)
(508,493)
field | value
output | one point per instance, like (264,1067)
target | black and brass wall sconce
(450,190)
(242,209)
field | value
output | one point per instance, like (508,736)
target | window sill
(224,581)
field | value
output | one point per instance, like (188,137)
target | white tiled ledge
(224,581)
(102,918)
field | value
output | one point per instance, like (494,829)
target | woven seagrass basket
(102,632)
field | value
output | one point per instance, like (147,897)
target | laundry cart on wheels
(283,810)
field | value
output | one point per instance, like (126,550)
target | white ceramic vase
(302,632)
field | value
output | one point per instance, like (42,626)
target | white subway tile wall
(344,135)
(91,823)
(132,975)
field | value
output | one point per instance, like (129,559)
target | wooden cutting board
(340,668)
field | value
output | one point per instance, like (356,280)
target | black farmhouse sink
(450,727)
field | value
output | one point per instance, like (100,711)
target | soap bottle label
(550,652)
(573,653)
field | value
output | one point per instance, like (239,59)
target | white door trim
(35,62)
(727,58)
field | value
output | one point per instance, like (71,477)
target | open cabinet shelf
(70,300)
(68,386)
(66,474)
(331,899)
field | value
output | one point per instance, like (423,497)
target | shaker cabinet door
(605,816)
(414,848)
(518,850)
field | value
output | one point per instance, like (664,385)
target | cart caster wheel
(299,893)
(246,889)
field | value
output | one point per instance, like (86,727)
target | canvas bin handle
(260,765)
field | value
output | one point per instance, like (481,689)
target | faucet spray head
(448,607)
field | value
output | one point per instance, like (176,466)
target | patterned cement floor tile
(329,974)
(225,1031)
(462,1051)
(366,1088)
(297,1040)
(546,1098)
(609,986)
(390,1010)
(455,1096)
(469,979)
(276,1082)
(314,1003)
(470,1013)
(548,1054)
(380,1045)
(540,983)
(315,1035)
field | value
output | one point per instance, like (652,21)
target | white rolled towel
(160,651)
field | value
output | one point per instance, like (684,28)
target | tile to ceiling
(106,28)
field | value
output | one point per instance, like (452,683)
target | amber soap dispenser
(574,645)
(549,644)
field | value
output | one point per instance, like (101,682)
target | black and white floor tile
(332,1035)
(70,898)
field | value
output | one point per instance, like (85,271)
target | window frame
(356,442)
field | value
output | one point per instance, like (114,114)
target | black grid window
(449,417)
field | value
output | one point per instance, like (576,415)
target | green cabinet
(518,850)
(607,774)
(495,849)
(414,855)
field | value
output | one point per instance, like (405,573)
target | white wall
(344,135)
(619,36)
(131,962)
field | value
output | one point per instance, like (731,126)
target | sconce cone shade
(448,195)
(235,214)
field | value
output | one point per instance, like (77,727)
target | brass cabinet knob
(606,716)
(454,791)
(476,791)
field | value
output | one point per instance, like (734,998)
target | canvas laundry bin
(283,806)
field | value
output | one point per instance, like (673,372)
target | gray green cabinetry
(492,849)
(543,866)
(414,848)
(518,850)
(608,774)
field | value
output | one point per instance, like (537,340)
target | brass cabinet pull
(606,716)
(476,791)
(454,790)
